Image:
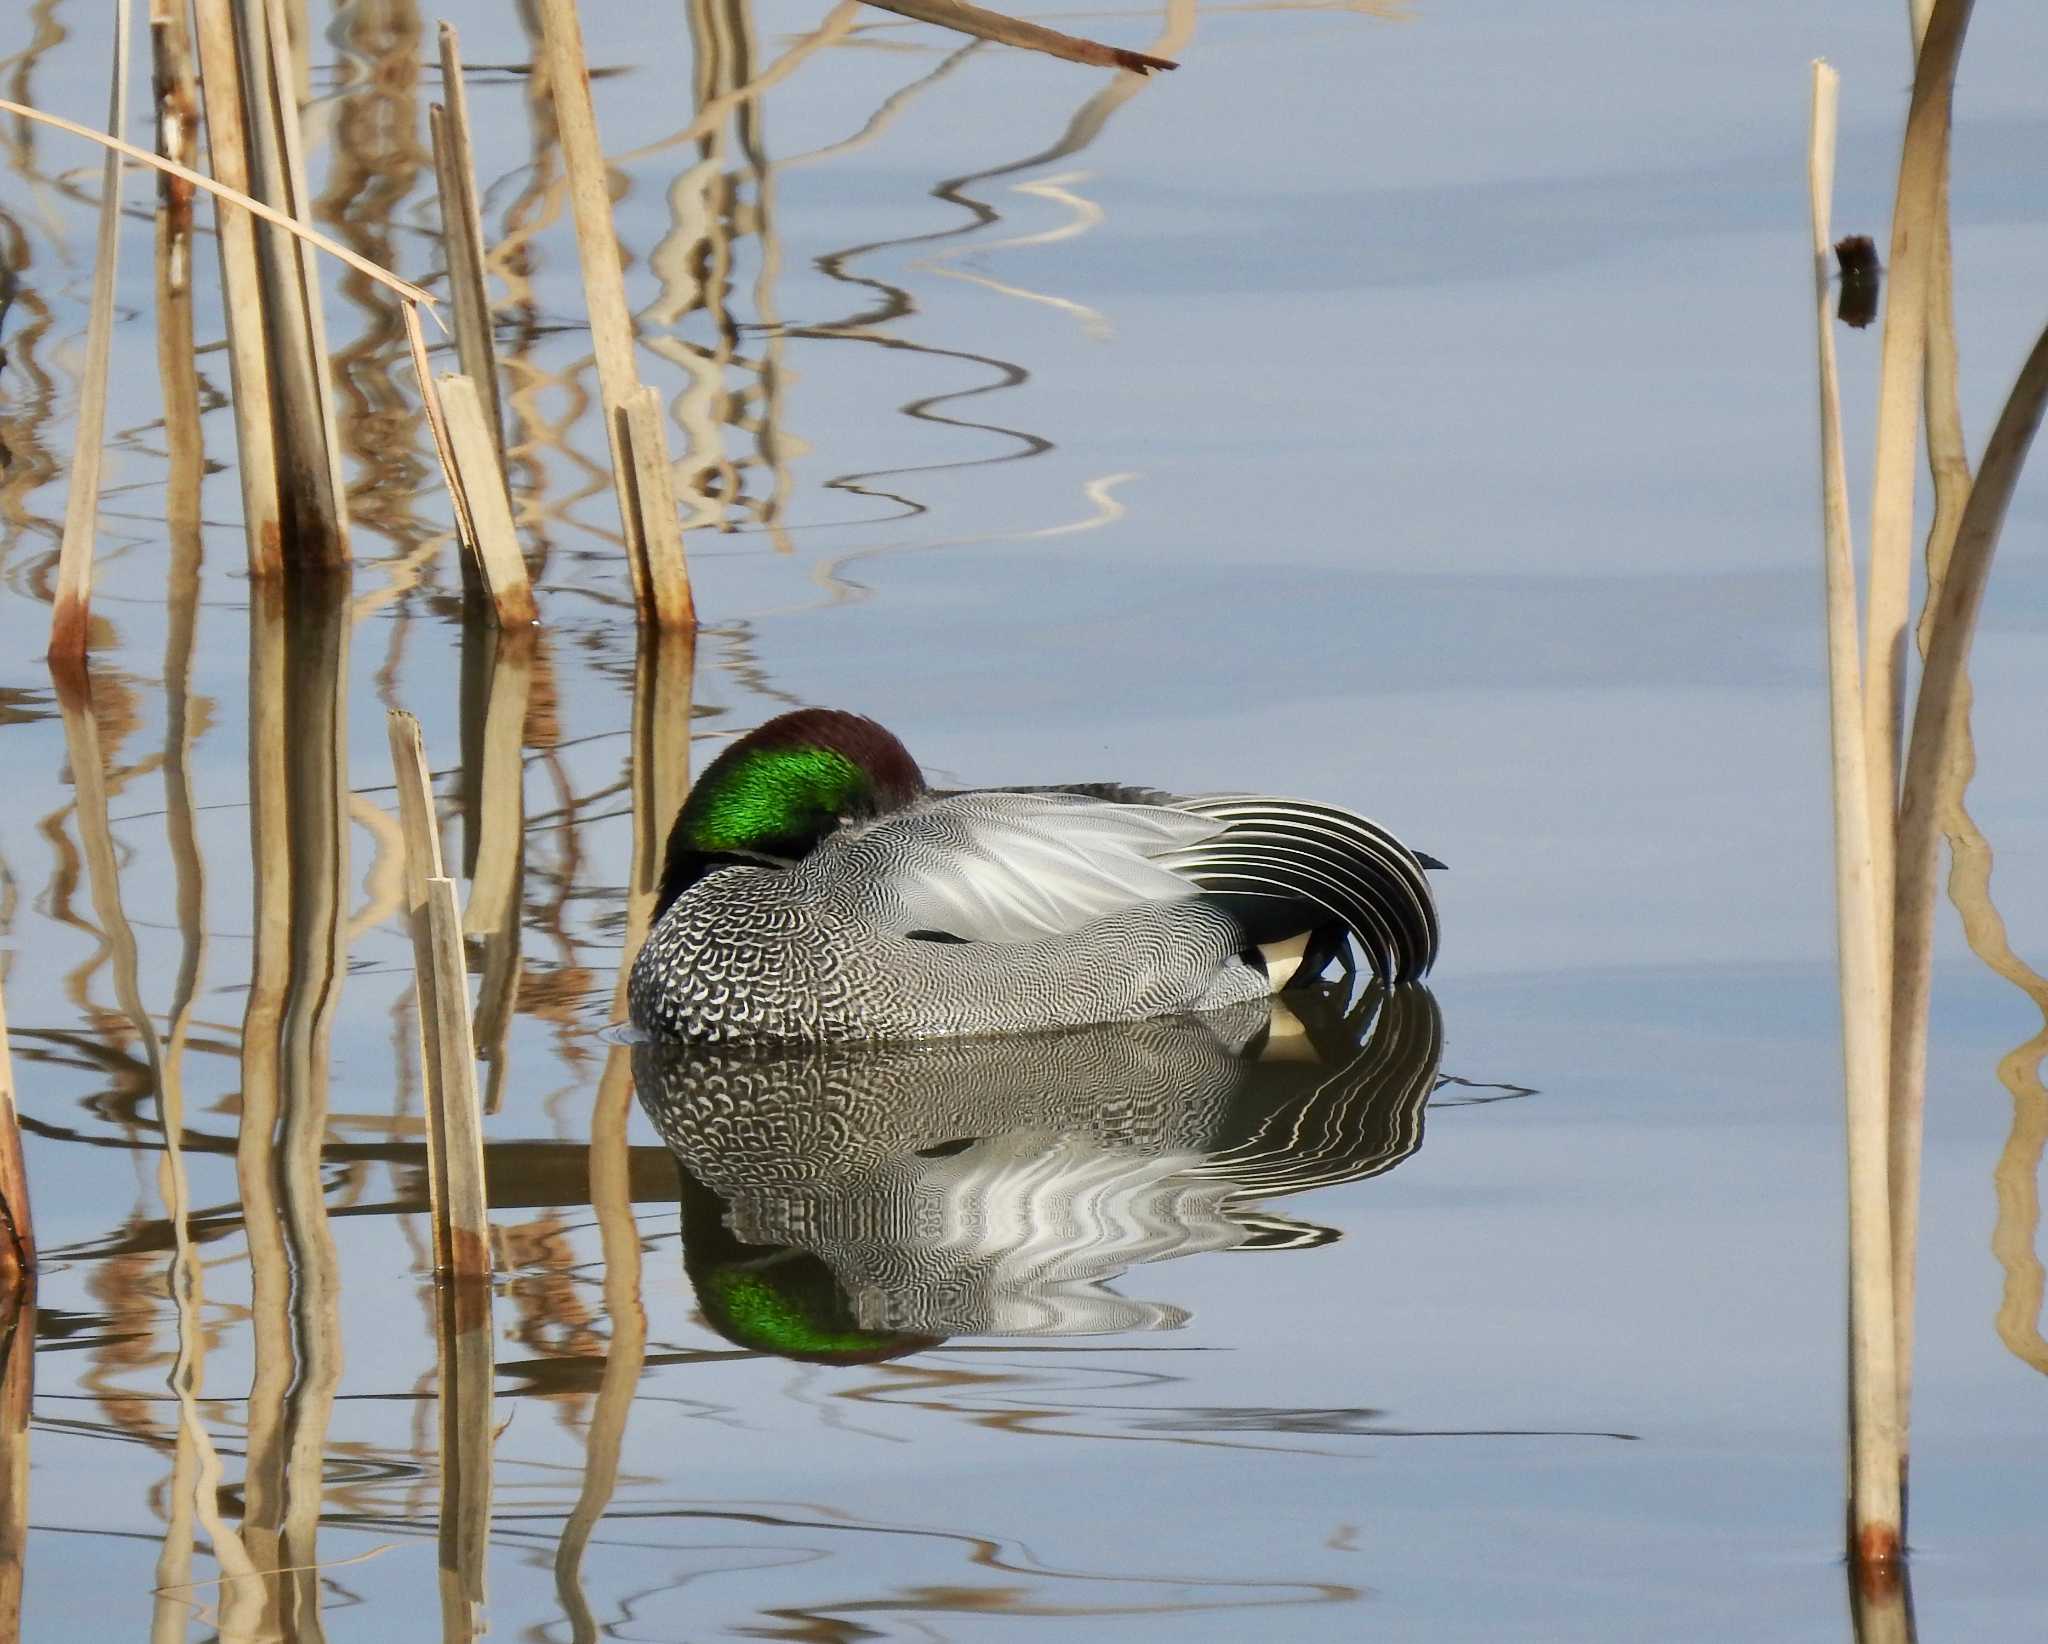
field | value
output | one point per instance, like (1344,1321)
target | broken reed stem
(73,608)
(17,1223)
(222,190)
(660,584)
(1874,1538)
(1922,163)
(455,1179)
(462,234)
(1014,31)
(495,542)
(665,571)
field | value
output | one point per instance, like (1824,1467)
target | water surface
(1411,412)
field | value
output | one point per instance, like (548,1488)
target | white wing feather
(1012,867)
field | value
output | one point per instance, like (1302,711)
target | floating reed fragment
(17,1225)
(455,1161)
(73,608)
(1873,1404)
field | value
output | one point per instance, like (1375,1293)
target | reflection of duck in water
(844,1203)
(816,889)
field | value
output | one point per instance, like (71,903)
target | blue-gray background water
(1410,410)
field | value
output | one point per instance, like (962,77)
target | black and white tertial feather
(887,911)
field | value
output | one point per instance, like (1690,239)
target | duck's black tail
(1287,868)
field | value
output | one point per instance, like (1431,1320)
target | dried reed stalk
(17,1224)
(1923,161)
(455,1170)
(437,425)
(654,564)
(495,542)
(309,447)
(665,575)
(1948,462)
(462,234)
(1014,31)
(73,609)
(241,291)
(223,191)
(1873,1399)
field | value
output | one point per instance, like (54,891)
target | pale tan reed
(653,538)
(462,234)
(1873,1397)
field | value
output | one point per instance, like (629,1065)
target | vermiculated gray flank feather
(1008,911)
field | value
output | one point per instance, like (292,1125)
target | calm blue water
(1414,413)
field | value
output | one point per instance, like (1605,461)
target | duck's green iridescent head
(781,788)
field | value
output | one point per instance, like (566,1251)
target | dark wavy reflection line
(896,303)
(847,1204)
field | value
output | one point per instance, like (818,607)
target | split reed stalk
(73,610)
(462,234)
(654,563)
(455,1167)
(1874,1534)
(495,541)
(17,1223)
(241,290)
(309,447)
